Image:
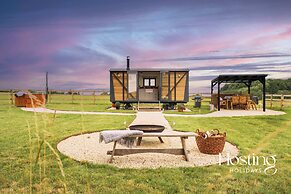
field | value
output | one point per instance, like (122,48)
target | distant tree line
(273,86)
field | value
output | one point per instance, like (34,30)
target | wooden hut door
(132,86)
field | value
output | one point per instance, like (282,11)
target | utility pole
(46,87)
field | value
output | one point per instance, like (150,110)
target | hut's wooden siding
(165,86)
(178,84)
(117,78)
(172,87)
(181,82)
(125,96)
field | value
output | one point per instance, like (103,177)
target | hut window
(148,82)
(152,82)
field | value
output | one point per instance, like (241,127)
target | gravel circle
(86,148)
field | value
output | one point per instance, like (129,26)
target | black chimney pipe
(46,87)
(127,67)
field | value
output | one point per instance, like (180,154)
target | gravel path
(46,110)
(222,113)
(232,113)
(87,148)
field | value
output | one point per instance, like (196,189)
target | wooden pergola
(247,79)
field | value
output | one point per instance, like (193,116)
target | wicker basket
(210,144)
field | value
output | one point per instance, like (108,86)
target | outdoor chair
(252,105)
(228,102)
(223,104)
(243,102)
(234,101)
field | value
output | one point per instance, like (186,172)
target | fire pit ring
(148,128)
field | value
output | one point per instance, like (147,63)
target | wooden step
(148,106)
(149,110)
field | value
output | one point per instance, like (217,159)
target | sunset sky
(78,41)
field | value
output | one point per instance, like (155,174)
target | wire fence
(60,96)
(6,98)
(100,96)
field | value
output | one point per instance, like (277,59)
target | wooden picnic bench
(166,133)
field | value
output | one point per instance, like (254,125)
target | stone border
(86,148)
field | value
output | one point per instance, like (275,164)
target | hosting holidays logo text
(251,164)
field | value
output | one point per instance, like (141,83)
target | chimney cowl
(127,67)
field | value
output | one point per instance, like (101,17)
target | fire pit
(148,128)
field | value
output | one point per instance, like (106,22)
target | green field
(30,162)
(190,105)
(101,103)
(81,103)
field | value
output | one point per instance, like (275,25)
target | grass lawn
(102,103)
(190,105)
(82,103)
(25,167)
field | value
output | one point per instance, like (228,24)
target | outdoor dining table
(166,133)
(228,102)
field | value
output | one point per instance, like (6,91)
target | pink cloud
(271,34)
(37,42)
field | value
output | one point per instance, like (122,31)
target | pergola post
(264,94)
(218,95)
(249,87)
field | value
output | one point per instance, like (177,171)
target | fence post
(72,94)
(282,102)
(271,102)
(50,96)
(11,96)
(94,97)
